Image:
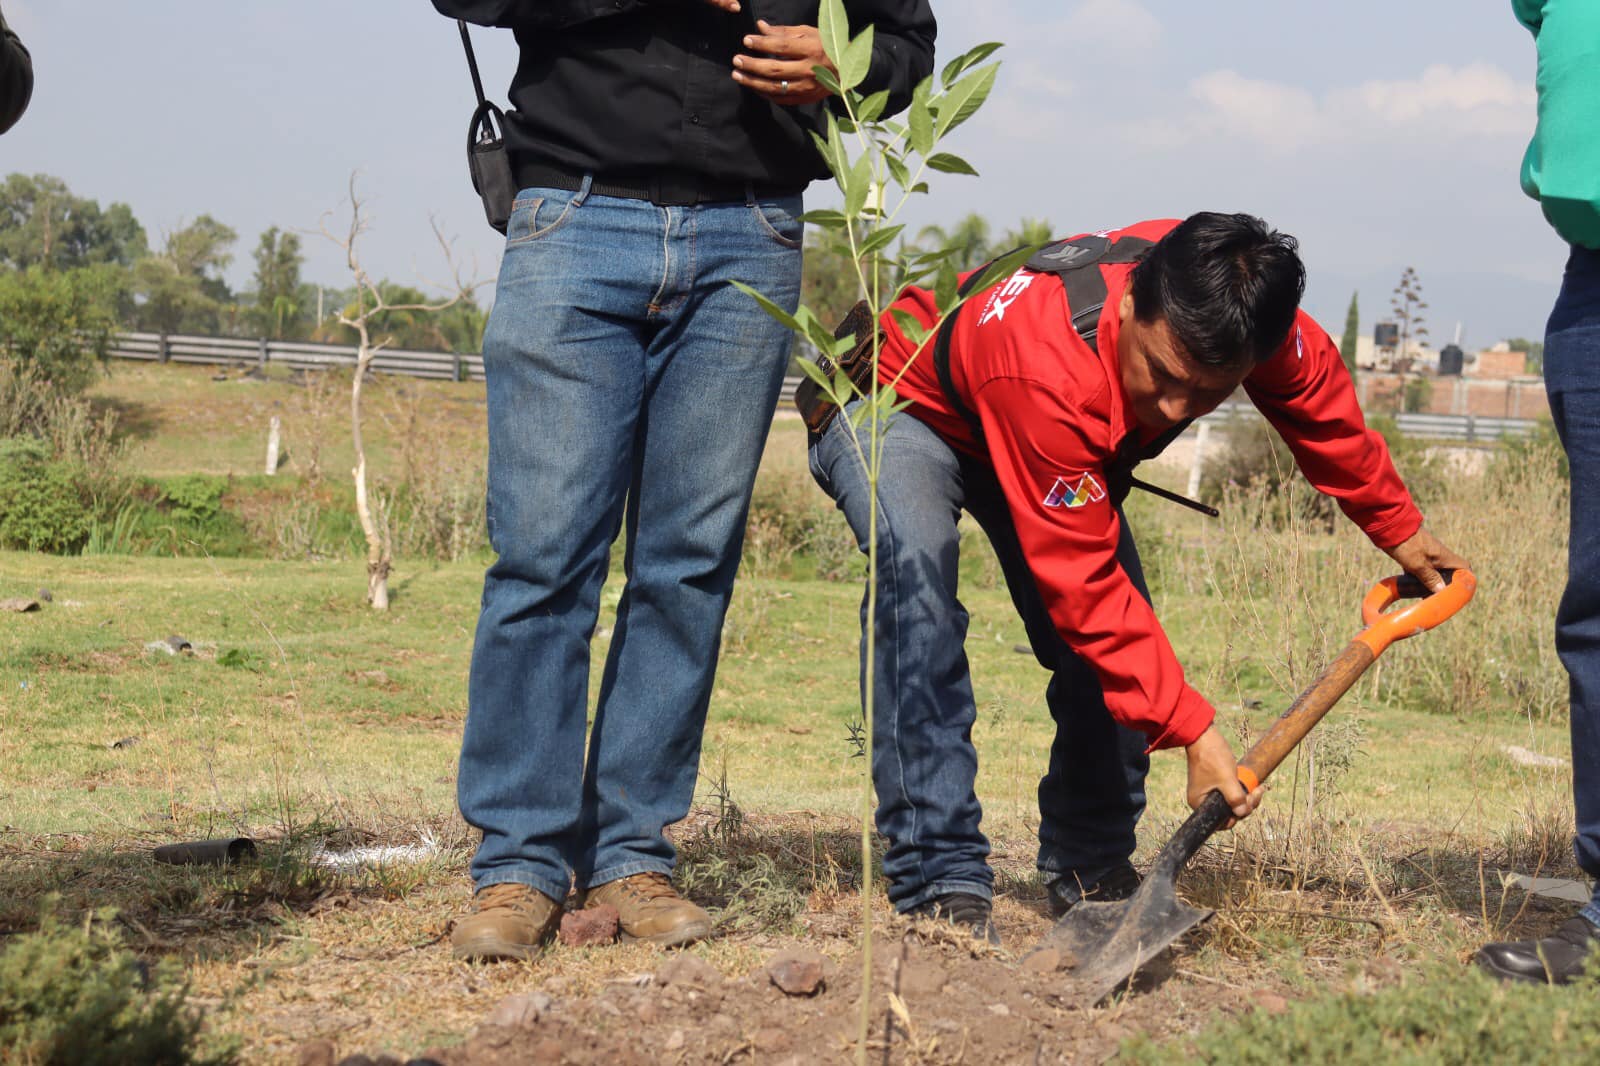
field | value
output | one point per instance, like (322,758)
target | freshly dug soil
(937,998)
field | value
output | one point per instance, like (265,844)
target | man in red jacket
(1030,413)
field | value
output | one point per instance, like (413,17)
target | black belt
(668,190)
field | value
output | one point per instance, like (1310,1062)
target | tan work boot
(651,909)
(507,921)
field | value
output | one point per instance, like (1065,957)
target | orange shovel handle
(1337,677)
(1384,629)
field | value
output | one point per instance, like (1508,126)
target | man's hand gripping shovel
(1104,944)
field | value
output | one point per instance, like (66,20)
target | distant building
(1370,357)
(1500,363)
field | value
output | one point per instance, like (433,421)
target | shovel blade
(1104,944)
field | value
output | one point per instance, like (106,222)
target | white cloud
(1109,25)
(1442,104)
(1041,83)
(1478,99)
(1256,110)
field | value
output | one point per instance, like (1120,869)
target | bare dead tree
(370,303)
(1408,306)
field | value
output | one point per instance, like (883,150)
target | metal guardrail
(1469,429)
(236,351)
(453,366)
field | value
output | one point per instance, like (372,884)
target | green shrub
(58,322)
(1445,1016)
(195,498)
(73,994)
(187,515)
(242,659)
(42,501)
(1417,393)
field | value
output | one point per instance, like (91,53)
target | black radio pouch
(813,403)
(487,158)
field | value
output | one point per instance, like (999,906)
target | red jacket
(1053,414)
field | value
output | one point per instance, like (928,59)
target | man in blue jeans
(1036,402)
(661,150)
(1562,171)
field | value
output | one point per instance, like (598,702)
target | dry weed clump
(314,417)
(1291,586)
(793,529)
(435,508)
(1511,522)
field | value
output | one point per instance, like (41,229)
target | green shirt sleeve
(1562,166)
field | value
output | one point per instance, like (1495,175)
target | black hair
(1228,287)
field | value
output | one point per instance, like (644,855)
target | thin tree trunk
(378,559)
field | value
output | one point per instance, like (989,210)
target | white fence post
(1201,437)
(272,445)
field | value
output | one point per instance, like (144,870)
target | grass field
(305,720)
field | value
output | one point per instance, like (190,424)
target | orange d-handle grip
(1384,629)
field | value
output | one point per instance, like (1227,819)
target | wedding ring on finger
(783,86)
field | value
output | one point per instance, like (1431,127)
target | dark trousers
(924,763)
(1572,378)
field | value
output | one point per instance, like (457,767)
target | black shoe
(1555,959)
(1066,891)
(969,912)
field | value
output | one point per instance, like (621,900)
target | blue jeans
(924,764)
(1572,379)
(630,385)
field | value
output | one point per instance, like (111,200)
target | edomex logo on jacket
(1074,490)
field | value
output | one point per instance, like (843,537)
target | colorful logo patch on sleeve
(1074,490)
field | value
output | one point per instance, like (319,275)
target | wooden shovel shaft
(1382,630)
(1307,710)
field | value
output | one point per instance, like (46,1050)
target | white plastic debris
(1524,757)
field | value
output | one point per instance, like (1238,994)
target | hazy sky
(1381,134)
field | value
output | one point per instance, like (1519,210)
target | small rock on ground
(797,971)
(772,1040)
(19,604)
(589,926)
(521,1011)
(1271,1002)
(921,975)
(1045,960)
(318,1053)
(686,969)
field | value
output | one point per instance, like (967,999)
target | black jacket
(637,88)
(16,77)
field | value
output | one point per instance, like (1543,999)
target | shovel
(1104,944)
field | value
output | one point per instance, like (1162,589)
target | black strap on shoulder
(1076,262)
(941,364)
